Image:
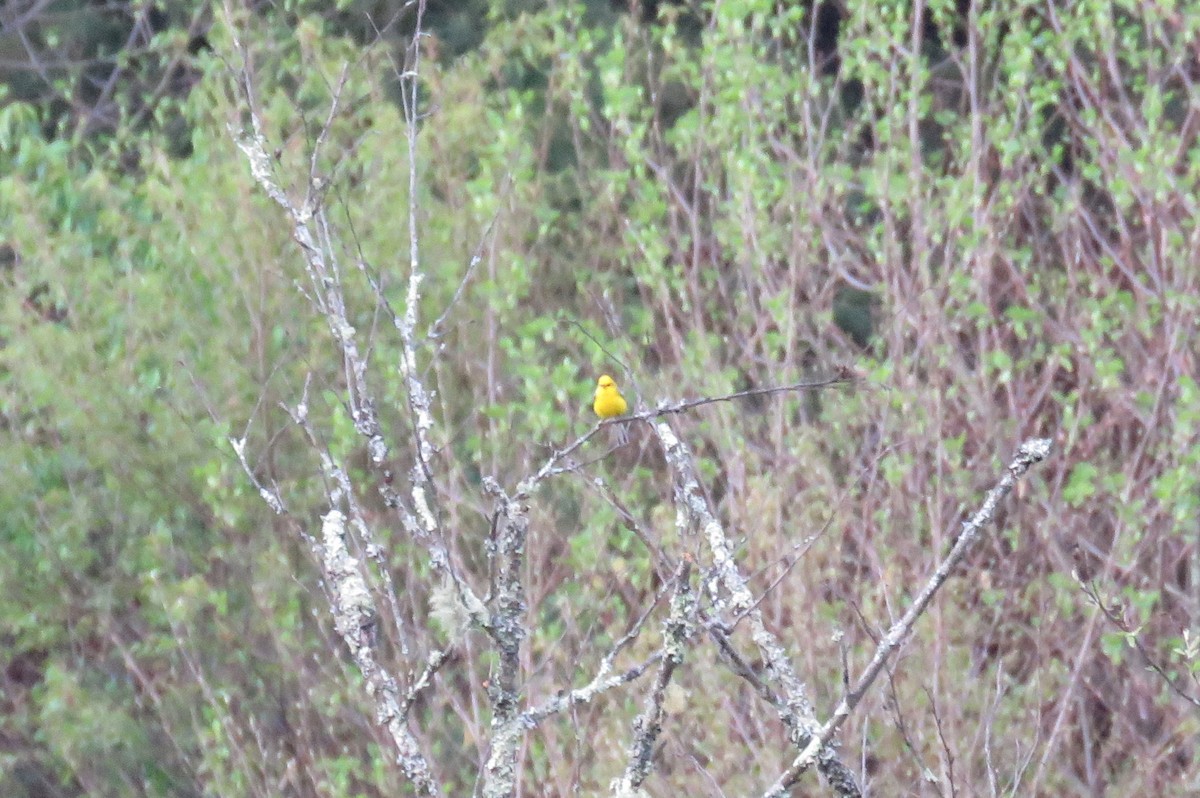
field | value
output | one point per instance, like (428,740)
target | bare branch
(1031,451)
(602,682)
(436,660)
(271,497)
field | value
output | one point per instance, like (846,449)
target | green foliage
(998,242)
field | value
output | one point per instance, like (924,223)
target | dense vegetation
(985,212)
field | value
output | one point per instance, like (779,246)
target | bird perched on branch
(608,402)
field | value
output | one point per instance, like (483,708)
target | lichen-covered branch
(648,725)
(507,626)
(694,513)
(355,619)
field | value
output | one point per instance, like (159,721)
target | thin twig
(552,468)
(1131,636)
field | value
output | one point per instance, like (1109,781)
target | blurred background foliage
(987,210)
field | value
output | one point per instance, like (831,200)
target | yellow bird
(608,402)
